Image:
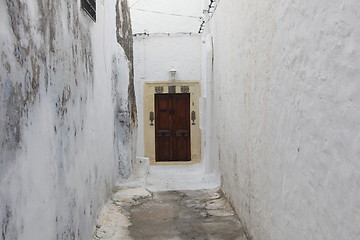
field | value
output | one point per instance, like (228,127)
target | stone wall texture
(67,115)
(287,115)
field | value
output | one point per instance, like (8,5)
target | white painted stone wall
(155,56)
(66,129)
(173,42)
(286,115)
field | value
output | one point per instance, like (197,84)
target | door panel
(172,127)
(182,148)
(163,112)
(181,104)
(163,147)
(163,139)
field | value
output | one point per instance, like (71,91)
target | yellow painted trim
(149,131)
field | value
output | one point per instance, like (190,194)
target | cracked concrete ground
(136,214)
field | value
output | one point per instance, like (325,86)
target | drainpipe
(209,84)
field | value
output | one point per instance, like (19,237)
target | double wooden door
(172,127)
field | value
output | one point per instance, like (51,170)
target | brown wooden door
(172,127)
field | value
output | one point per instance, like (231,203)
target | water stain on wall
(48,59)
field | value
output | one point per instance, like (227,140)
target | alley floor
(137,213)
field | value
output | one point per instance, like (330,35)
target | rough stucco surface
(64,91)
(286,101)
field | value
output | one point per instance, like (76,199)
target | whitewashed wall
(168,45)
(65,84)
(287,115)
(154,56)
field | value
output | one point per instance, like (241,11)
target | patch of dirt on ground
(135,213)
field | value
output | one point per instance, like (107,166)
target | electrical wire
(163,34)
(166,13)
(134,3)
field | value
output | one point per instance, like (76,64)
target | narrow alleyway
(161,119)
(136,213)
